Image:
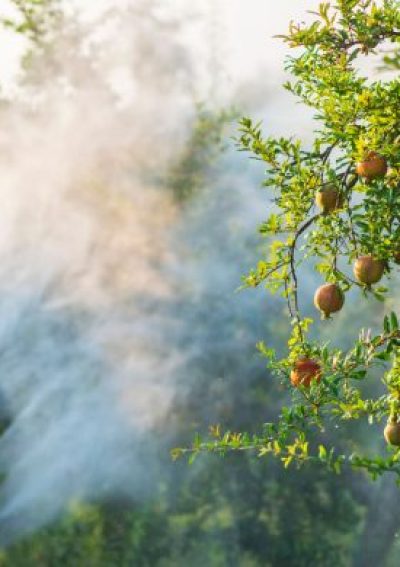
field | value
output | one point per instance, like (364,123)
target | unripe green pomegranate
(329,199)
(329,298)
(368,270)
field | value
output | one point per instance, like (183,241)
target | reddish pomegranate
(397,257)
(368,270)
(329,199)
(373,165)
(305,370)
(329,298)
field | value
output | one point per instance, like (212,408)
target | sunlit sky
(244,38)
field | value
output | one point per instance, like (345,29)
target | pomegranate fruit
(305,370)
(329,298)
(368,270)
(329,199)
(392,432)
(373,165)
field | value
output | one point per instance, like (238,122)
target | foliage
(34,18)
(355,115)
(186,175)
(215,519)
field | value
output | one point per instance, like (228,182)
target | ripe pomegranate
(392,432)
(305,370)
(329,298)
(373,165)
(368,270)
(397,257)
(329,199)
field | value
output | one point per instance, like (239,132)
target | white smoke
(86,371)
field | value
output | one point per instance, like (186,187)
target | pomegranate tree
(351,172)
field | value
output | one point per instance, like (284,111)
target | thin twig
(292,251)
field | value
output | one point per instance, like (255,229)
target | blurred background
(127,220)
